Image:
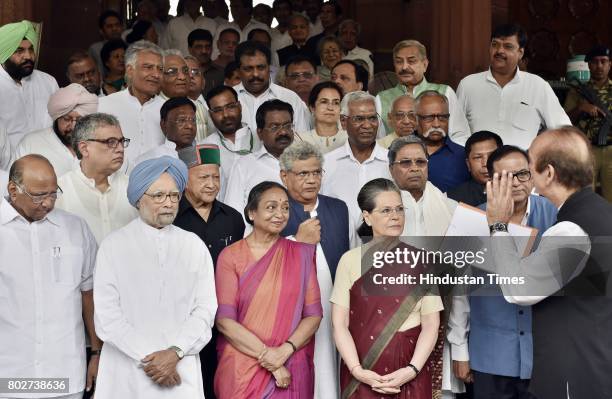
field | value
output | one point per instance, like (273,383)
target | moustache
(405,72)
(434,130)
(498,55)
(253,80)
(283,138)
(27,63)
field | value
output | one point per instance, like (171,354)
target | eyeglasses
(400,116)
(406,163)
(317,174)
(175,71)
(195,72)
(297,75)
(360,119)
(288,127)
(388,211)
(231,107)
(39,198)
(113,142)
(184,120)
(431,117)
(522,175)
(160,198)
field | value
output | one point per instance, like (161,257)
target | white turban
(73,97)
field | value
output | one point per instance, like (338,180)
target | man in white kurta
(155,294)
(65,107)
(24,91)
(46,300)
(180,27)
(96,190)
(138,106)
(6,150)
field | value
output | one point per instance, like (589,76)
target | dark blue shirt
(447,167)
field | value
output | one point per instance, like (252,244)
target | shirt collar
(263,152)
(270,90)
(91,182)
(527,211)
(517,76)
(8,213)
(185,205)
(130,97)
(379,152)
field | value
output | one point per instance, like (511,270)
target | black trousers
(490,386)
(208,360)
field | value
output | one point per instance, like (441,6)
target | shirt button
(521,312)
(522,333)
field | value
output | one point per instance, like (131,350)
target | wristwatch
(179,352)
(498,227)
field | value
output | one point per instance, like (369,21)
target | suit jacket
(333,216)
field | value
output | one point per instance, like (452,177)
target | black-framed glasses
(406,163)
(160,198)
(317,174)
(232,107)
(195,72)
(400,116)
(431,117)
(275,128)
(522,175)
(174,71)
(361,119)
(113,142)
(388,211)
(39,198)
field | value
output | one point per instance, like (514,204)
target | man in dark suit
(567,279)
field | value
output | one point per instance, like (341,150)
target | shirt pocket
(526,118)
(67,263)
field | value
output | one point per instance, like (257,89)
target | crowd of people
(189,216)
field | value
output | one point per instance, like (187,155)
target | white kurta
(3,183)
(250,103)
(168,148)
(153,288)
(46,143)
(179,28)
(23,107)
(139,122)
(103,212)
(45,267)
(244,140)
(6,150)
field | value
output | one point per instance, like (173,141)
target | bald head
(566,154)
(402,116)
(32,186)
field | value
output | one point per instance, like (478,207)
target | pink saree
(269,297)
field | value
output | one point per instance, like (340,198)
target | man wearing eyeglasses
(66,106)
(513,103)
(497,326)
(178,123)
(47,303)
(154,294)
(402,119)
(301,76)
(360,159)
(276,131)
(234,139)
(322,221)
(93,190)
(447,167)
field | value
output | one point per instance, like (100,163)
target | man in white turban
(65,107)
(24,91)
(154,294)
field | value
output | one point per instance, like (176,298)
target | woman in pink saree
(269,307)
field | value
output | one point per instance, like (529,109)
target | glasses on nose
(160,198)
(298,75)
(232,107)
(522,175)
(195,72)
(174,71)
(430,118)
(361,119)
(67,119)
(275,128)
(407,163)
(316,174)
(388,211)
(39,198)
(400,116)
(113,142)
(184,121)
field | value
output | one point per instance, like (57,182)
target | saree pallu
(369,316)
(269,297)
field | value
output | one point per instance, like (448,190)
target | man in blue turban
(26,89)
(154,294)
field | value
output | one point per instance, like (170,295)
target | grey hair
(86,127)
(172,51)
(131,54)
(355,97)
(401,142)
(350,22)
(411,43)
(329,39)
(191,58)
(299,151)
(429,93)
(298,15)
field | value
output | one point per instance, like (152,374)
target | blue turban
(147,172)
